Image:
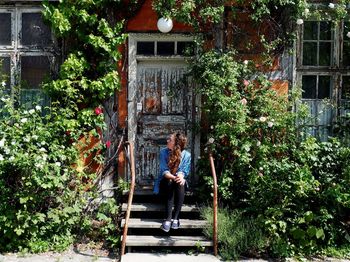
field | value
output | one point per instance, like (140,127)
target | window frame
(335,70)
(17,50)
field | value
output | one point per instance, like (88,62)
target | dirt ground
(77,253)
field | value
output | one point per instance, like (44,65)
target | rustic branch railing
(215,205)
(131,194)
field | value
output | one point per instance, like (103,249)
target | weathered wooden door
(163,106)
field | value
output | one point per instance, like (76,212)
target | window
(323,62)
(26,52)
(165,48)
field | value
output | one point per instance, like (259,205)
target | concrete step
(149,192)
(169,241)
(156,223)
(157,207)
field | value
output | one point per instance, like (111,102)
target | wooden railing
(131,161)
(215,205)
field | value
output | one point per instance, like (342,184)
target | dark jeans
(173,192)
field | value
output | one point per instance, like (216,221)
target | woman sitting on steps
(175,163)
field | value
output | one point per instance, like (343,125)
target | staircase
(147,214)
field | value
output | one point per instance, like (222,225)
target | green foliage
(43,193)
(297,190)
(237,233)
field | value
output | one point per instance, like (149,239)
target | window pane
(165,48)
(325,31)
(309,53)
(325,54)
(310,30)
(309,87)
(34,31)
(145,48)
(5,70)
(345,89)
(34,70)
(324,87)
(5,29)
(346,53)
(185,48)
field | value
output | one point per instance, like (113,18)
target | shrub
(44,193)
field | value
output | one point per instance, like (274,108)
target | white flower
(26,139)
(211,140)
(262,119)
(1,158)
(35,137)
(42,149)
(7,151)
(211,127)
(38,108)
(31,111)
(348,34)
(300,21)
(13,143)
(244,101)
(245,62)
(3,83)
(258,143)
(58,163)
(2,142)
(3,99)
(331,5)
(306,11)
(39,165)
(44,157)
(24,120)
(261,168)
(43,143)
(25,112)
(270,124)
(12,158)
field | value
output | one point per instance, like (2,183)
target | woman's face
(170,141)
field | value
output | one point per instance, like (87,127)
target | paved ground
(90,256)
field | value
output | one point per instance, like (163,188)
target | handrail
(131,194)
(215,205)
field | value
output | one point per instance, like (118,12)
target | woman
(175,163)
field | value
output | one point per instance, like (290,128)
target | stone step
(156,223)
(157,207)
(169,241)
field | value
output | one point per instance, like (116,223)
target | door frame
(133,60)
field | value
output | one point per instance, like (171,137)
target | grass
(237,234)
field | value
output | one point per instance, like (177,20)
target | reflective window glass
(185,48)
(324,87)
(165,48)
(310,30)
(5,29)
(34,70)
(310,53)
(325,31)
(345,89)
(34,31)
(325,54)
(309,87)
(145,48)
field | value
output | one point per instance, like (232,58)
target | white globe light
(165,24)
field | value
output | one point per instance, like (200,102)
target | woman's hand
(180,179)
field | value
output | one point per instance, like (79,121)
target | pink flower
(260,174)
(244,101)
(245,82)
(108,144)
(98,110)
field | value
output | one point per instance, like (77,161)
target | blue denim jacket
(184,167)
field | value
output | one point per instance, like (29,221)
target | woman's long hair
(175,155)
